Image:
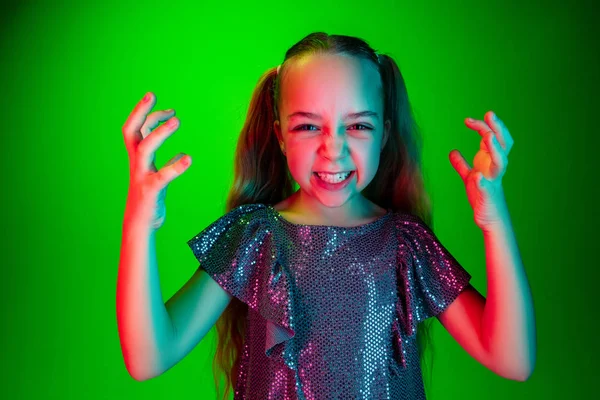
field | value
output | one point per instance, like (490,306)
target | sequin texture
(332,311)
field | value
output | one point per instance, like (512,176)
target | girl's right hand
(147,185)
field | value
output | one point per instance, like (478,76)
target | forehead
(331,83)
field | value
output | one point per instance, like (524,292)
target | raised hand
(483,182)
(147,185)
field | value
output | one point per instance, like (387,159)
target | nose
(334,147)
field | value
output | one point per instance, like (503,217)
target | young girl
(324,268)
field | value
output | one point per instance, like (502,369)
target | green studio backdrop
(72,72)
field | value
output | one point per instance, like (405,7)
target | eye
(364,126)
(298,128)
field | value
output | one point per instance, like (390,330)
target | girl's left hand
(483,182)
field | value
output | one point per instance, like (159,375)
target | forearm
(508,322)
(145,328)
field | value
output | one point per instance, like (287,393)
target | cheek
(367,163)
(371,162)
(300,165)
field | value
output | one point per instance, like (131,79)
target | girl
(324,269)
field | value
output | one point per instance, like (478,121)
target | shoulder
(240,227)
(244,213)
(408,223)
(240,220)
(414,234)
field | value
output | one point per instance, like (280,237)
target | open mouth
(334,181)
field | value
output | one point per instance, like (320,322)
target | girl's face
(318,94)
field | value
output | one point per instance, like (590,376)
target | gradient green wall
(71,73)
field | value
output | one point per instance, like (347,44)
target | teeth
(333,178)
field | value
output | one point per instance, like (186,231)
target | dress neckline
(358,227)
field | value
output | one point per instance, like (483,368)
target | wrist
(138,218)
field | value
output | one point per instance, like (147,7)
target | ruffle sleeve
(429,278)
(239,253)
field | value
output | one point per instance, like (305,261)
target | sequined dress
(332,311)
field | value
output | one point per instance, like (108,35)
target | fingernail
(494,116)
(470,119)
(146,98)
(169,110)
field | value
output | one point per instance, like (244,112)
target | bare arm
(194,309)
(155,336)
(145,327)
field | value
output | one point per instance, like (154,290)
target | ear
(386,133)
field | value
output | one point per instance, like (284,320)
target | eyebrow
(349,115)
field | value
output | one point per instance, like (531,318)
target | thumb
(459,163)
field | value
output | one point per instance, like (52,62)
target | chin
(332,199)
(333,202)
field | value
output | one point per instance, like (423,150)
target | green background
(71,73)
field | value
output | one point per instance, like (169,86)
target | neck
(357,209)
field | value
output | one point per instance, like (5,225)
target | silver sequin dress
(332,311)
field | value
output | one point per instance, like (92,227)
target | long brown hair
(262,176)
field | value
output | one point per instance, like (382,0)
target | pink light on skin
(325,90)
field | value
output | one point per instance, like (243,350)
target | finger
(133,124)
(175,167)
(501,130)
(147,148)
(496,128)
(460,164)
(152,122)
(496,151)
(483,129)
(489,124)
(478,125)
(154,119)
